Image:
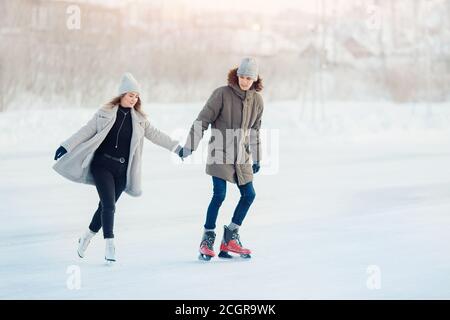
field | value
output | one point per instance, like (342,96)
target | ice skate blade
(225,255)
(204,257)
(78,251)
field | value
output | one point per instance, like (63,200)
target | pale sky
(266,6)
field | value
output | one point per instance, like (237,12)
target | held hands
(60,152)
(256,167)
(183,152)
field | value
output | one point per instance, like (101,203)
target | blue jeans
(219,192)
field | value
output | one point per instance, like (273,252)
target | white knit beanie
(128,84)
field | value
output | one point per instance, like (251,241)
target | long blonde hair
(115,101)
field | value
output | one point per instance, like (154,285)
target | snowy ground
(359,189)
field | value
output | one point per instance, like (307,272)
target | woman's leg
(219,193)
(106,188)
(119,185)
(247,196)
(96,222)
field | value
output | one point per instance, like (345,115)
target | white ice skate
(110,251)
(84,241)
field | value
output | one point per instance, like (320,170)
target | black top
(117,142)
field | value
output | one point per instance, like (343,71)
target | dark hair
(234,79)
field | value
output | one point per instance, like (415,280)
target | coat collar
(138,115)
(241,93)
(110,112)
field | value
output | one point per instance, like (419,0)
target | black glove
(256,167)
(184,152)
(60,152)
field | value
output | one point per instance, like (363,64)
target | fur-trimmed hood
(233,80)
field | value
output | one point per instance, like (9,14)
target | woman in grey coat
(107,153)
(234,113)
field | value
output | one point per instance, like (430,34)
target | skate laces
(235,236)
(209,241)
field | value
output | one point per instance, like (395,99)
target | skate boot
(207,246)
(232,243)
(84,241)
(110,251)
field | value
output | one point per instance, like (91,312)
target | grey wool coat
(235,119)
(81,146)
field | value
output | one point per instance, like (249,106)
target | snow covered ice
(358,207)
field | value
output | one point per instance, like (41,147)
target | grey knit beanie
(248,68)
(128,84)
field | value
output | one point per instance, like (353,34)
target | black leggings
(110,180)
